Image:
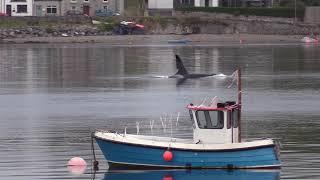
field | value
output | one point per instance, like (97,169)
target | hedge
(271,12)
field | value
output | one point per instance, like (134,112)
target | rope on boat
(95,162)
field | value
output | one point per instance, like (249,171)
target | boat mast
(239,102)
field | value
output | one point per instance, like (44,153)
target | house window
(105,7)
(22,8)
(51,9)
(86,0)
(18,1)
(73,8)
(105,1)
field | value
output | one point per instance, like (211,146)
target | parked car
(74,13)
(127,27)
(3,14)
(105,13)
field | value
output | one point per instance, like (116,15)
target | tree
(292,3)
(311,2)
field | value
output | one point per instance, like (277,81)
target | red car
(3,14)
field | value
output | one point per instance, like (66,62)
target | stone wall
(210,26)
(82,26)
(312,15)
(31,20)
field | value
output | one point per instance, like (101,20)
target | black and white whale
(183,73)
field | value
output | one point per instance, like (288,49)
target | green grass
(8,23)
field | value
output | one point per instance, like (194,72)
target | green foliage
(105,27)
(107,24)
(9,23)
(49,29)
(311,2)
(271,12)
(162,21)
(292,4)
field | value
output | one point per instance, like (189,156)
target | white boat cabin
(216,125)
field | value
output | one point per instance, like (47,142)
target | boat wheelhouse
(216,143)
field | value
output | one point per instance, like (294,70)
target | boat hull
(193,174)
(137,155)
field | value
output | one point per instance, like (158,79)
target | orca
(183,73)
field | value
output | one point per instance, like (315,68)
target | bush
(271,12)
(107,24)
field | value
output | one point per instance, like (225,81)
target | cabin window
(229,121)
(210,119)
(235,118)
(191,117)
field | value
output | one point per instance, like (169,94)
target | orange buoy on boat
(167,156)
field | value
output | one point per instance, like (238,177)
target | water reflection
(81,66)
(193,174)
(52,95)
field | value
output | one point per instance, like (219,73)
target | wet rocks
(49,31)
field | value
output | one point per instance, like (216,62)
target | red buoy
(167,156)
(167,177)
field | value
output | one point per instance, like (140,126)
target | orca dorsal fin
(181,69)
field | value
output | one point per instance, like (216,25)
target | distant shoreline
(162,39)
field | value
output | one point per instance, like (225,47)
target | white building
(2,9)
(160,4)
(160,7)
(206,3)
(18,7)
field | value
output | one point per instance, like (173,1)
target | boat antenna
(151,126)
(239,101)
(177,119)
(137,124)
(171,125)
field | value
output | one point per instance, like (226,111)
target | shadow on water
(193,174)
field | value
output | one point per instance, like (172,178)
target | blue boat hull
(194,174)
(139,155)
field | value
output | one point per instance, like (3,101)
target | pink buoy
(77,170)
(167,156)
(77,165)
(77,161)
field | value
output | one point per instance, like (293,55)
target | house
(89,7)
(196,3)
(17,7)
(47,8)
(2,9)
(246,3)
(58,7)
(206,3)
(160,7)
(257,3)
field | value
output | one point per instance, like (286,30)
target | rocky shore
(197,39)
(196,29)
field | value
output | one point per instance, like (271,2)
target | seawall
(180,24)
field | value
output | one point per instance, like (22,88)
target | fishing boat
(216,143)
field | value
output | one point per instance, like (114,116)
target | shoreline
(162,39)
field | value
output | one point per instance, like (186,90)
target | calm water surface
(53,95)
